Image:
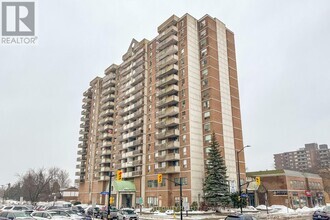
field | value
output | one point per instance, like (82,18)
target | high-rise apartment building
(310,158)
(155,113)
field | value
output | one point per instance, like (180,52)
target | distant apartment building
(309,158)
(155,113)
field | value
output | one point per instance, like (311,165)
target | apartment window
(205,72)
(182,82)
(152,183)
(205,82)
(149,127)
(183,93)
(207,138)
(184,115)
(203,43)
(182,73)
(152,201)
(202,24)
(207,127)
(206,104)
(182,61)
(184,151)
(183,104)
(184,163)
(163,183)
(149,168)
(149,157)
(184,181)
(203,33)
(184,137)
(204,52)
(184,127)
(182,52)
(204,62)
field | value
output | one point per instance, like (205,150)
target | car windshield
(70,212)
(130,212)
(21,214)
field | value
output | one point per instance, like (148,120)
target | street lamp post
(239,177)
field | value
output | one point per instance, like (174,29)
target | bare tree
(63,178)
(40,184)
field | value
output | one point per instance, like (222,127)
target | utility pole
(111,175)
(181,201)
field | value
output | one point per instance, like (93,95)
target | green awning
(120,186)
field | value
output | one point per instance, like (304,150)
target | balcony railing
(171,69)
(169,31)
(168,41)
(174,110)
(169,169)
(168,134)
(167,145)
(170,90)
(137,173)
(167,61)
(167,81)
(170,100)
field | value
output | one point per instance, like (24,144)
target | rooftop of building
(282,172)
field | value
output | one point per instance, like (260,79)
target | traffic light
(258,180)
(119,175)
(112,200)
(160,178)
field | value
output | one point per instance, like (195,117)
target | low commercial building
(70,194)
(286,187)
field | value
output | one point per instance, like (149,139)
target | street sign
(104,193)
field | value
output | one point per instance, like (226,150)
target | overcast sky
(283,67)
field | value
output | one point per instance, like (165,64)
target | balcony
(107,112)
(171,69)
(82,145)
(105,160)
(105,169)
(169,90)
(169,100)
(138,70)
(131,108)
(167,61)
(86,106)
(84,112)
(82,152)
(133,134)
(107,105)
(137,173)
(138,53)
(106,144)
(167,42)
(131,116)
(108,83)
(138,62)
(170,145)
(127,175)
(168,157)
(169,51)
(169,169)
(109,97)
(106,135)
(84,125)
(106,120)
(87,93)
(83,131)
(132,144)
(86,100)
(172,30)
(137,162)
(137,79)
(167,123)
(104,178)
(105,152)
(174,110)
(168,134)
(82,158)
(83,138)
(132,125)
(172,79)
(108,91)
(84,118)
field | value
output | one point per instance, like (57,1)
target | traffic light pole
(181,201)
(111,175)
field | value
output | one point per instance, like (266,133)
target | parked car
(113,213)
(323,214)
(43,215)
(127,214)
(69,213)
(10,215)
(79,209)
(2,207)
(240,217)
(96,212)
(18,208)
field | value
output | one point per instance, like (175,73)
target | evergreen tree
(216,189)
